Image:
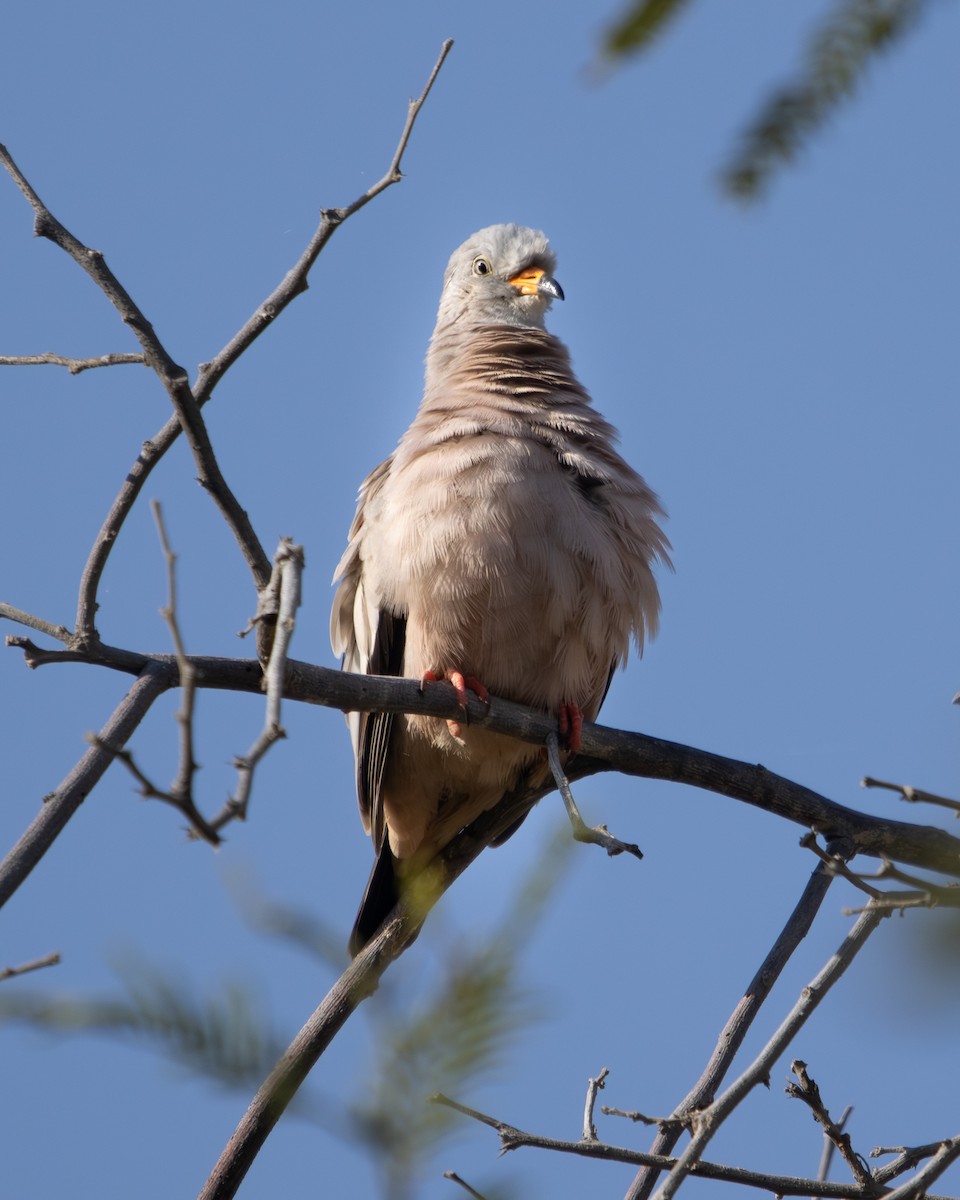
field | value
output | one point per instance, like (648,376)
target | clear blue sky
(785,378)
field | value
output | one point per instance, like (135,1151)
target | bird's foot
(461,684)
(570,718)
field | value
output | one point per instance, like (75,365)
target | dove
(504,546)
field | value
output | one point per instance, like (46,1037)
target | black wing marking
(373,742)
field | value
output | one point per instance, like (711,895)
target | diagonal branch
(190,401)
(711,1118)
(171,375)
(60,806)
(733,1033)
(294,282)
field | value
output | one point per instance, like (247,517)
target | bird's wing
(371,641)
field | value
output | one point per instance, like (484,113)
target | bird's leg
(461,683)
(570,718)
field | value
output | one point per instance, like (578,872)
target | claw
(461,684)
(570,718)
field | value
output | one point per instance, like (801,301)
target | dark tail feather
(378,901)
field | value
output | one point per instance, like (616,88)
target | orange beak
(533,280)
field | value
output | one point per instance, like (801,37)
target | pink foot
(571,725)
(461,683)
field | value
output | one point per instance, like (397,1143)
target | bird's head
(502,275)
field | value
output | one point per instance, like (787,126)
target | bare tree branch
(59,633)
(916,1187)
(733,1033)
(907,1158)
(48,960)
(182,802)
(74,365)
(155,448)
(829,1146)
(913,795)
(182,786)
(602,748)
(512,1138)
(288,569)
(593,1087)
(171,375)
(710,1119)
(455,1178)
(295,281)
(807,1091)
(60,806)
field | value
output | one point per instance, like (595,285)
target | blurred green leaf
(854,34)
(226,1036)
(639,26)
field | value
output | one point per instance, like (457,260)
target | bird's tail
(378,901)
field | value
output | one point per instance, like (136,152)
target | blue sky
(785,377)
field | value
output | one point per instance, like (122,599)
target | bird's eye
(481,266)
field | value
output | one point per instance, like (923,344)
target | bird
(504,546)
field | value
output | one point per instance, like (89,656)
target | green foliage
(637,28)
(224,1037)
(854,33)
(445,1039)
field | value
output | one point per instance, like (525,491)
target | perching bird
(504,545)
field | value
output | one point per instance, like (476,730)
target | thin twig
(913,795)
(48,960)
(807,1091)
(60,806)
(184,804)
(455,1178)
(182,785)
(916,1187)
(512,1138)
(597,835)
(710,1119)
(907,1158)
(593,1086)
(826,1155)
(153,450)
(295,281)
(287,572)
(837,866)
(733,1033)
(927,893)
(171,375)
(638,1118)
(74,365)
(59,633)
